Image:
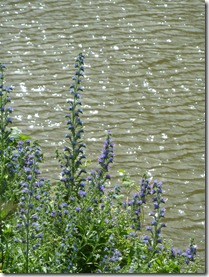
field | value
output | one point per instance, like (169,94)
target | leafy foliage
(82,223)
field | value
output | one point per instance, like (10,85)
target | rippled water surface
(144,81)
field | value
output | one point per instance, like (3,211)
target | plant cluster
(82,223)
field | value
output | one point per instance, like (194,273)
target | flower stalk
(72,160)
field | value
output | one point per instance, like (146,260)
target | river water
(144,81)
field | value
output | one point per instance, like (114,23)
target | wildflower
(9,109)
(34,216)
(173,252)
(101,187)
(82,193)
(29,177)
(82,184)
(151,214)
(149,228)
(139,202)
(89,209)
(163,200)
(77,209)
(37,171)
(146,239)
(130,202)
(107,153)
(2,66)
(136,195)
(163,224)
(107,177)
(156,205)
(27,169)
(132,234)
(190,252)
(72,160)
(9,120)
(25,190)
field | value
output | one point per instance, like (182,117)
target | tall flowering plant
(81,194)
(5,121)
(34,197)
(83,223)
(72,174)
(5,111)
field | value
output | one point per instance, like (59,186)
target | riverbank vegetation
(84,223)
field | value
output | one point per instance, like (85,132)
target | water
(144,81)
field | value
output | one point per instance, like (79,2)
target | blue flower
(29,177)
(10,109)
(77,209)
(27,169)
(9,120)
(156,205)
(136,195)
(149,228)
(25,190)
(132,234)
(101,187)
(151,214)
(130,202)
(146,239)
(82,193)
(159,240)
(163,200)
(89,209)
(35,216)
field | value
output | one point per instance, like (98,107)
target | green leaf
(6,208)
(121,196)
(24,137)
(15,132)
(121,172)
